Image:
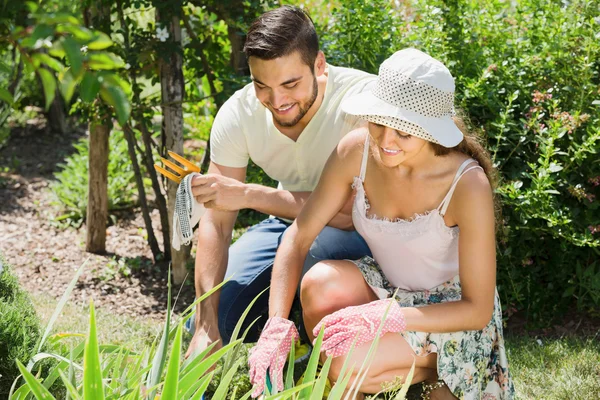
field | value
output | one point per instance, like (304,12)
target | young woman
(424,204)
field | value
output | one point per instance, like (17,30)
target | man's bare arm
(218,192)
(214,237)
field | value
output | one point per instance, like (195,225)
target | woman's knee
(327,287)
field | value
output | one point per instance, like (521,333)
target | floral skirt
(472,363)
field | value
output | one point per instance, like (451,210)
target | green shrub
(70,188)
(19,328)
(527,73)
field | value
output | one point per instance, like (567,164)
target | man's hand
(201,340)
(219,192)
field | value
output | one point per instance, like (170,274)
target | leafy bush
(19,328)
(537,102)
(70,188)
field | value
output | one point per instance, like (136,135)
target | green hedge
(19,328)
(527,73)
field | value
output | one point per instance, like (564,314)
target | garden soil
(46,256)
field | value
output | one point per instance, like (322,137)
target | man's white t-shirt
(243,129)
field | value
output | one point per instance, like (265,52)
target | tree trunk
(97,15)
(237,58)
(160,199)
(130,137)
(97,208)
(172,90)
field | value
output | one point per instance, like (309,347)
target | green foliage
(536,101)
(19,328)
(70,187)
(111,371)
(63,53)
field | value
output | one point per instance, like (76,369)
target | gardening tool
(179,173)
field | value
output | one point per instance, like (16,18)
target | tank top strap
(365,158)
(443,207)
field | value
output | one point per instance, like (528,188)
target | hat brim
(443,129)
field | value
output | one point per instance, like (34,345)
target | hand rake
(179,173)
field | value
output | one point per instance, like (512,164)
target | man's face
(286,86)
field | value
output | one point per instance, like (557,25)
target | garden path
(45,256)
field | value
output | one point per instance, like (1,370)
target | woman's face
(396,147)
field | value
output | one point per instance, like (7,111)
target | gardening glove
(270,353)
(362,322)
(187,213)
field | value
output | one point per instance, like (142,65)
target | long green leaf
(104,61)
(6,96)
(172,379)
(202,387)
(200,368)
(39,391)
(100,42)
(319,389)
(226,380)
(73,51)
(406,385)
(311,368)
(289,378)
(71,390)
(236,331)
(45,59)
(115,96)
(59,307)
(49,85)
(4,68)
(160,357)
(92,373)
(90,85)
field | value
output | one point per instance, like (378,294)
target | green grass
(559,368)
(135,333)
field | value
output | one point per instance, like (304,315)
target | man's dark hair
(280,32)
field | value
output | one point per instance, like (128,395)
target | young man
(288,121)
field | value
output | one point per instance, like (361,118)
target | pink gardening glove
(270,353)
(344,325)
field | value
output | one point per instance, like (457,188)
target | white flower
(162,34)
(539,341)
(127,66)
(84,49)
(597,20)
(42,43)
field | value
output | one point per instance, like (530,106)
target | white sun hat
(414,93)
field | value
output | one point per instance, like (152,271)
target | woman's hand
(362,322)
(270,353)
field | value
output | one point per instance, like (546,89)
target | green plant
(19,327)
(93,370)
(70,188)
(536,102)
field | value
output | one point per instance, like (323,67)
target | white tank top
(416,254)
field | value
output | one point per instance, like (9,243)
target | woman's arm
(472,209)
(325,202)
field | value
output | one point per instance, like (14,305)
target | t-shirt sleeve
(228,145)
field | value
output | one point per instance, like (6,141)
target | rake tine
(167,174)
(189,165)
(176,168)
